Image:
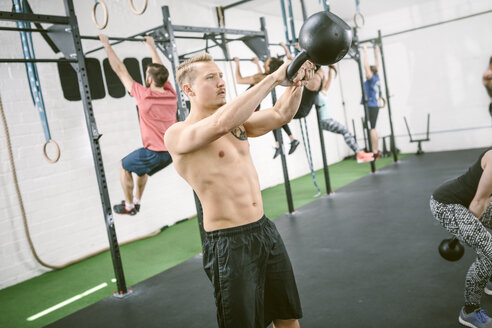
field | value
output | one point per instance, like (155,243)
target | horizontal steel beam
(235,4)
(117,42)
(88,37)
(33,18)
(217,30)
(36,60)
(18,29)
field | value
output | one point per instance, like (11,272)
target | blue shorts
(144,161)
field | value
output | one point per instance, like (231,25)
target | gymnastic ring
(381,102)
(57,155)
(105,9)
(135,11)
(359,20)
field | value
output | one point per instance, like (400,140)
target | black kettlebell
(324,39)
(451,249)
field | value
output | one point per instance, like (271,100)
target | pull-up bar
(216,30)
(119,41)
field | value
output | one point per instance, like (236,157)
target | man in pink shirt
(157,107)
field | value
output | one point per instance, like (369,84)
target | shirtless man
(487,82)
(243,253)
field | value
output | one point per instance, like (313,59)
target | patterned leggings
(335,127)
(459,221)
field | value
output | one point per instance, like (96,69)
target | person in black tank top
(487,83)
(270,65)
(309,98)
(463,207)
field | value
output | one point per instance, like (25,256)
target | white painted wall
(436,70)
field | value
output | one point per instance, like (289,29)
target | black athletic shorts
(373,115)
(251,274)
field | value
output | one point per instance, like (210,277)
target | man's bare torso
(225,180)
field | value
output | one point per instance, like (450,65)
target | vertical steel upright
(96,150)
(326,172)
(278,132)
(286,27)
(388,96)
(367,126)
(172,53)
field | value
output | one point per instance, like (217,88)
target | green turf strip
(146,258)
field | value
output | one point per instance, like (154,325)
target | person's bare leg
(374,140)
(290,323)
(126,180)
(141,182)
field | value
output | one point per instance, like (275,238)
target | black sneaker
(293,145)
(137,207)
(277,152)
(121,209)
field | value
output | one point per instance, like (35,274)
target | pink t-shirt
(157,111)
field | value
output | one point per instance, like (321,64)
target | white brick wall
(436,70)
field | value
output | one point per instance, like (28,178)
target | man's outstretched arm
(149,42)
(376,56)
(367,68)
(285,108)
(116,64)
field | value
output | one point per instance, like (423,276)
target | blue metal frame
(31,69)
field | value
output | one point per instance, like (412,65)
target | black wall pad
(116,89)
(70,85)
(145,62)
(258,45)
(68,80)
(134,69)
(365,256)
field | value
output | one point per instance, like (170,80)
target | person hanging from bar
(311,97)
(157,107)
(487,82)
(372,87)
(270,65)
(329,124)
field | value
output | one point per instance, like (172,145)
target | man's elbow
(222,127)
(286,117)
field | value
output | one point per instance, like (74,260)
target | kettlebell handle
(296,64)
(453,242)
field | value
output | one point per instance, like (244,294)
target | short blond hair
(185,72)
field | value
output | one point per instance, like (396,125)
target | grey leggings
(335,127)
(459,221)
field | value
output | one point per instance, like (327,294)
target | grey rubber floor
(365,256)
